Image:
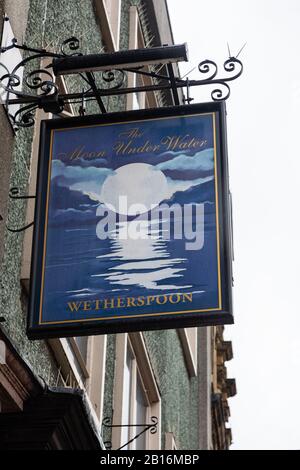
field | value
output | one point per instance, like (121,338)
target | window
(135,403)
(127,392)
(113,8)
(170,443)
(138,99)
(96,368)
(73,371)
(136,397)
(141,412)
(109,14)
(188,337)
(80,345)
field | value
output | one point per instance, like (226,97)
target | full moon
(134,189)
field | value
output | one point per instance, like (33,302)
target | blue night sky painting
(111,251)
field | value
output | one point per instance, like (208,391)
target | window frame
(109,24)
(189,342)
(170,443)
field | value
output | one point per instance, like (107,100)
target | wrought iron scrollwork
(12,80)
(208,67)
(24,117)
(72,44)
(151,427)
(39,81)
(114,78)
(34,81)
(232,66)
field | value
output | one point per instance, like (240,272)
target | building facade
(72,390)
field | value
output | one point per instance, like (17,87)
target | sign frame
(224,315)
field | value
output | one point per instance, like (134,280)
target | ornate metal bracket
(44,93)
(152,427)
(14,194)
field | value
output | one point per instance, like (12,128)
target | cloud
(89,180)
(182,185)
(201,161)
(72,216)
(96,162)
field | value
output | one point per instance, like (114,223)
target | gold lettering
(164,299)
(127,148)
(76,153)
(132,133)
(131,302)
(177,298)
(185,142)
(86,305)
(122,148)
(150,299)
(109,303)
(120,302)
(141,301)
(188,297)
(81,152)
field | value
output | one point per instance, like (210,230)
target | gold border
(213,114)
(217,213)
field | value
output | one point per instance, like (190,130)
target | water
(81,267)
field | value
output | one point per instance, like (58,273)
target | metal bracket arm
(45,93)
(152,427)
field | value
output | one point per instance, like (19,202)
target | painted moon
(134,189)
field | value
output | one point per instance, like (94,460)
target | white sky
(264,158)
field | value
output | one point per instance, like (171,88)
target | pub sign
(132,223)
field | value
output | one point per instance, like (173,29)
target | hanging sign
(132,228)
